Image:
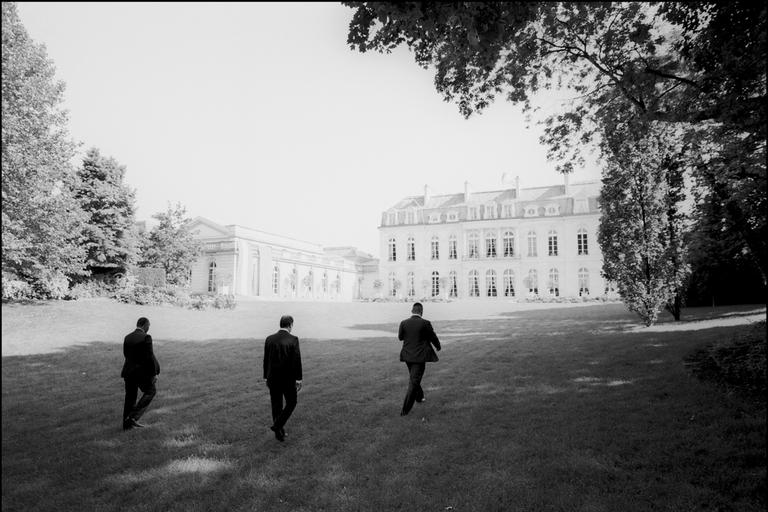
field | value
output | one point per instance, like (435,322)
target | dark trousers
(277,391)
(415,372)
(132,409)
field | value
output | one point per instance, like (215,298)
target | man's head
(143,324)
(286,322)
(417,309)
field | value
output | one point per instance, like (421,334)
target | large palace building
(509,243)
(249,262)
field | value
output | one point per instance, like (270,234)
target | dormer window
(472,213)
(411,217)
(391,218)
(530,212)
(434,218)
(490,211)
(452,217)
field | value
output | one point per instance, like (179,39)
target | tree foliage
(109,203)
(41,221)
(643,227)
(171,245)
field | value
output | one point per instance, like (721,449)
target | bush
(15,289)
(738,363)
(149,276)
(175,296)
(51,285)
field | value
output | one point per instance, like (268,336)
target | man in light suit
(282,373)
(140,372)
(417,336)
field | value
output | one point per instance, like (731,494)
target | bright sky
(260,115)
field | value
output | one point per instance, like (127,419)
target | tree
(110,237)
(643,225)
(171,245)
(41,221)
(699,66)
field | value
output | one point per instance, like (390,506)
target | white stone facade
(509,244)
(247,262)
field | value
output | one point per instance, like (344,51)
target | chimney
(566,183)
(517,187)
(426,194)
(466,191)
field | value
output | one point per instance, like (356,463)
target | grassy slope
(543,410)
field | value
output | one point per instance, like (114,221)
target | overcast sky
(260,115)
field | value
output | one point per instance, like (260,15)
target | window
(509,283)
(509,210)
(509,244)
(411,216)
(583,282)
(473,243)
(452,217)
(472,213)
(453,289)
(581,242)
(531,243)
(435,248)
(325,282)
(530,212)
(490,283)
(554,282)
(490,245)
(533,282)
(212,277)
(410,250)
(392,250)
(490,211)
(392,284)
(276,280)
(294,278)
(338,282)
(391,218)
(411,285)
(452,253)
(474,284)
(552,243)
(435,283)
(610,287)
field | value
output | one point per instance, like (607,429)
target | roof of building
(578,190)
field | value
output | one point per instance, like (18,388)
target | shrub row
(153,296)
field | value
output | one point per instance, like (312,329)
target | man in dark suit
(140,373)
(282,373)
(417,336)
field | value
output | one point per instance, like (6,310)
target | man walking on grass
(417,336)
(282,373)
(140,372)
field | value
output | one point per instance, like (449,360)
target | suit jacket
(282,357)
(418,336)
(140,360)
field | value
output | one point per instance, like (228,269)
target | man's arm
(297,373)
(432,336)
(265,360)
(401,332)
(148,340)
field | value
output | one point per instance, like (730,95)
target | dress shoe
(279,434)
(403,413)
(135,424)
(421,400)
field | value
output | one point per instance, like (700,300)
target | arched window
(411,285)
(474,284)
(410,250)
(554,282)
(509,283)
(490,283)
(583,282)
(490,245)
(533,282)
(212,277)
(392,250)
(581,242)
(392,284)
(552,243)
(473,245)
(435,283)
(509,244)
(453,288)
(276,280)
(435,248)
(610,287)
(452,250)
(532,243)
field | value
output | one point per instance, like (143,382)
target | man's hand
(298,386)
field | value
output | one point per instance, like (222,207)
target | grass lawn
(572,409)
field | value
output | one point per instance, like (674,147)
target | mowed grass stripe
(563,409)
